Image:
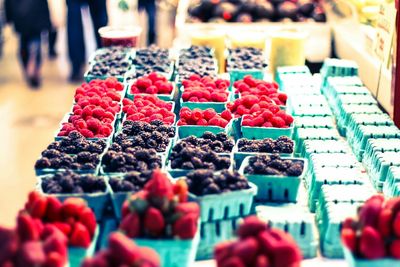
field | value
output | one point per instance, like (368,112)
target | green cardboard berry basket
(382,162)
(173,252)
(324,146)
(301,101)
(365,132)
(239,74)
(312,122)
(228,205)
(283,72)
(329,219)
(390,187)
(77,254)
(212,233)
(295,220)
(264,132)
(353,261)
(343,118)
(333,176)
(198,130)
(379,145)
(304,134)
(98,202)
(165,97)
(314,111)
(275,188)
(239,156)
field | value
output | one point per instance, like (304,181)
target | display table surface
(317,262)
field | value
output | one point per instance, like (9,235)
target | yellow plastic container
(250,39)
(287,49)
(215,39)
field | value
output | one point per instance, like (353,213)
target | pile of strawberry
(160,210)
(45,229)
(272,117)
(97,104)
(258,246)
(122,251)
(251,86)
(208,117)
(154,83)
(375,233)
(206,89)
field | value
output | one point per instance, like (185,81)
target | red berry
(277,122)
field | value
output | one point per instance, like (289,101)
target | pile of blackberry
(130,182)
(246,58)
(138,134)
(111,54)
(135,160)
(282,145)
(205,182)
(71,183)
(196,60)
(75,143)
(219,143)
(54,159)
(189,158)
(109,68)
(274,165)
(151,59)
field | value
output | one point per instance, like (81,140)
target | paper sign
(385,31)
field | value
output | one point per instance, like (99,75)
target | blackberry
(51,153)
(132,150)
(295,170)
(223,163)
(117,161)
(285,139)
(258,167)
(55,163)
(209,135)
(95,148)
(142,155)
(156,123)
(115,147)
(147,127)
(67,184)
(71,150)
(209,165)
(42,163)
(285,147)
(211,189)
(267,146)
(136,127)
(101,143)
(120,138)
(278,164)
(197,163)
(192,140)
(82,146)
(129,159)
(151,143)
(145,135)
(228,145)
(54,145)
(210,156)
(77,190)
(271,171)
(176,163)
(125,144)
(88,166)
(65,142)
(84,157)
(274,156)
(141,166)
(222,137)
(76,166)
(187,165)
(157,136)
(138,141)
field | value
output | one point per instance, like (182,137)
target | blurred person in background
(150,7)
(57,18)
(30,19)
(76,45)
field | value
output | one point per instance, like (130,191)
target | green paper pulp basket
(304,134)
(173,253)
(263,132)
(212,233)
(198,130)
(352,261)
(295,220)
(227,205)
(77,254)
(382,162)
(346,110)
(275,188)
(392,182)
(312,122)
(379,145)
(333,176)
(324,146)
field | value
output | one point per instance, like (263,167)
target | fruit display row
(255,11)
(179,179)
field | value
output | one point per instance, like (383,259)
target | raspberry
(143,83)
(156,117)
(153,76)
(241,110)
(223,123)
(249,101)
(288,119)
(94,125)
(247,122)
(194,77)
(209,113)
(214,121)
(267,115)
(87,133)
(267,124)
(277,122)
(185,113)
(98,113)
(80,124)
(255,108)
(151,90)
(258,121)
(273,108)
(249,80)
(282,97)
(86,112)
(197,115)
(202,122)
(226,115)
(106,131)
(134,90)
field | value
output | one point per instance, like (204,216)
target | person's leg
(76,45)
(23,51)
(150,7)
(98,12)
(52,42)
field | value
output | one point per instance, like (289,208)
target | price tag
(385,32)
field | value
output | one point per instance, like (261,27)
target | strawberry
(159,185)
(54,259)
(394,249)
(8,244)
(32,197)
(72,207)
(38,207)
(251,226)
(232,262)
(130,225)
(396,224)
(31,253)
(186,226)
(154,222)
(223,250)
(349,239)
(87,218)
(181,189)
(349,223)
(371,244)
(369,212)
(384,222)
(26,228)
(123,248)
(53,211)
(149,257)
(80,236)
(188,207)
(262,261)
(246,250)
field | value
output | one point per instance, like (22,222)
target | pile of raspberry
(154,83)
(148,108)
(205,89)
(251,86)
(208,117)
(250,104)
(96,105)
(268,118)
